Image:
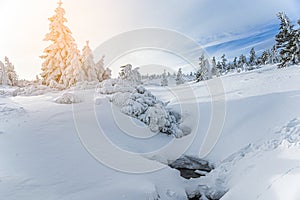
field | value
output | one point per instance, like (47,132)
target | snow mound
(85,85)
(7,91)
(34,90)
(8,109)
(137,102)
(68,98)
(112,86)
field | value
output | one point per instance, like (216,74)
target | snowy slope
(42,156)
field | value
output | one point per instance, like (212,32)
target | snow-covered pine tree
(74,72)
(88,63)
(274,56)
(11,75)
(106,74)
(137,77)
(265,57)
(203,72)
(252,59)
(283,40)
(102,73)
(61,58)
(224,63)
(219,68)
(3,74)
(179,77)
(214,70)
(235,63)
(242,63)
(129,74)
(164,80)
(294,45)
(100,69)
(126,71)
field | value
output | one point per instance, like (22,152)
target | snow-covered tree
(129,74)
(219,68)
(61,65)
(11,76)
(107,74)
(224,63)
(242,63)
(179,77)
(294,45)
(203,71)
(164,80)
(88,63)
(274,56)
(235,63)
(214,69)
(100,69)
(284,40)
(252,58)
(3,74)
(265,57)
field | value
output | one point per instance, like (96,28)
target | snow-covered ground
(256,156)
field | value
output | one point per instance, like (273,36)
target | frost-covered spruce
(164,80)
(8,76)
(284,40)
(61,66)
(102,74)
(88,63)
(129,74)
(203,71)
(179,77)
(3,74)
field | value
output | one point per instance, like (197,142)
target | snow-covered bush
(68,98)
(137,102)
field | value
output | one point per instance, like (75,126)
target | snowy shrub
(139,103)
(68,98)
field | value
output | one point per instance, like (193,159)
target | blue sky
(24,23)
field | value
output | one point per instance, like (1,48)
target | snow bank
(34,90)
(140,103)
(231,172)
(68,98)
(8,109)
